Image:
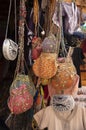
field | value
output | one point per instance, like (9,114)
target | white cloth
(71,16)
(73,120)
(71,13)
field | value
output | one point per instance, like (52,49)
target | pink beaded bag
(20,100)
(22,91)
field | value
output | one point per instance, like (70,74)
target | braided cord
(20,61)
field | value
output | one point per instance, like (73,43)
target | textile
(70,12)
(47,117)
(77,58)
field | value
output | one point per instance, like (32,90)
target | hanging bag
(10,48)
(45,66)
(20,99)
(36,47)
(65,77)
(66,72)
(22,88)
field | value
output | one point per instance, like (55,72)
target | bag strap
(61,30)
(8,19)
(20,60)
(15,12)
(70,52)
(9,12)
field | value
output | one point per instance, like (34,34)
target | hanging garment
(70,11)
(56,120)
(77,58)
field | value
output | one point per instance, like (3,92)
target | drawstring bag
(65,76)
(36,47)
(20,100)
(22,88)
(23,79)
(21,94)
(49,44)
(45,65)
(36,53)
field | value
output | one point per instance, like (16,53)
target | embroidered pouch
(45,66)
(22,91)
(49,44)
(65,76)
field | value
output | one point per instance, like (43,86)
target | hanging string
(15,21)
(64,51)
(9,12)
(28,27)
(20,61)
(59,32)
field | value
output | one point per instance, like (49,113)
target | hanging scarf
(62,102)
